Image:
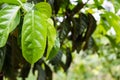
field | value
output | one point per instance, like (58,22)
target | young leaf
(9,19)
(51,33)
(34,33)
(44,8)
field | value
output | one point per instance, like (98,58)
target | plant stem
(22,6)
(44,0)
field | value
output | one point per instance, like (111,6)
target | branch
(77,8)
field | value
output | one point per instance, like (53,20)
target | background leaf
(34,33)
(2,57)
(114,22)
(116,4)
(55,49)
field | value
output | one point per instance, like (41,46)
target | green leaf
(9,19)
(55,49)
(112,41)
(116,4)
(12,1)
(114,22)
(34,33)
(51,32)
(44,8)
(98,3)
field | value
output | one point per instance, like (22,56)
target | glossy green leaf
(34,33)
(12,1)
(44,8)
(9,19)
(51,32)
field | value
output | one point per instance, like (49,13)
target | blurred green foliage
(88,46)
